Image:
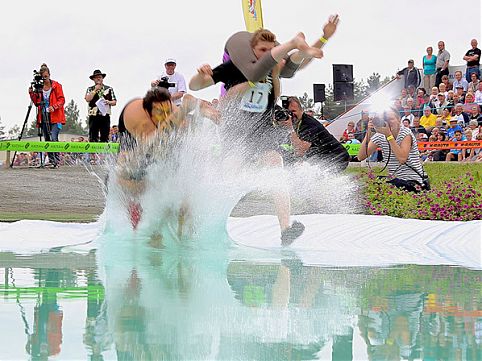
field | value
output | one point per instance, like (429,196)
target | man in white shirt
(177,88)
(459,81)
(440,103)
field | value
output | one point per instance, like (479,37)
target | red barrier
(466,144)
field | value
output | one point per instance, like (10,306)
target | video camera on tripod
(38,82)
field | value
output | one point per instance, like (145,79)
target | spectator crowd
(434,108)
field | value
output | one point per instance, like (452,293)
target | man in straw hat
(100,98)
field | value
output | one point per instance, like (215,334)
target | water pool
(244,303)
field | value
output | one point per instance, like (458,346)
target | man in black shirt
(472,57)
(311,140)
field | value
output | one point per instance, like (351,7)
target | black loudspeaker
(343,91)
(342,72)
(319,93)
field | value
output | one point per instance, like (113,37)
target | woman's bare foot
(307,51)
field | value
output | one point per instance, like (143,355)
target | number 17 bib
(255,100)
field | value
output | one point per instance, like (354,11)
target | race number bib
(255,100)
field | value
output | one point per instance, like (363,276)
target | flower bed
(455,194)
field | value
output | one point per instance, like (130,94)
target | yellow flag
(253,16)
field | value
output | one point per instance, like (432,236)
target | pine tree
(2,129)
(14,132)
(306,101)
(32,131)
(72,123)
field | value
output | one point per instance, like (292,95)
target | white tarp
(361,240)
(335,239)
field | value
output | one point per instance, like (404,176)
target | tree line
(73,125)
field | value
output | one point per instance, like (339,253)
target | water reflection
(46,336)
(195,305)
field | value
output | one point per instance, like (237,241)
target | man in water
(251,77)
(140,122)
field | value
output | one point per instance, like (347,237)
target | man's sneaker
(291,233)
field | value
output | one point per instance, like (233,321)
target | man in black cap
(101,98)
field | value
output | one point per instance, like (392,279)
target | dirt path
(72,193)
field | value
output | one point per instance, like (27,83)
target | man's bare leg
(281,197)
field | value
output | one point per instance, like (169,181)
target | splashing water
(185,184)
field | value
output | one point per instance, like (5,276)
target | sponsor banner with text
(63,147)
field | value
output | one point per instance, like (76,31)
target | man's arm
(91,94)
(471,57)
(177,95)
(300,146)
(203,78)
(190,103)
(446,62)
(399,73)
(181,88)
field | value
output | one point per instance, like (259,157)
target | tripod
(44,128)
(23,129)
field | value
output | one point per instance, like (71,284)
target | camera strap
(389,155)
(423,175)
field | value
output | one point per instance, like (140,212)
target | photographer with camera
(48,97)
(311,141)
(101,98)
(399,148)
(172,81)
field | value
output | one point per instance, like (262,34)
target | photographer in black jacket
(311,141)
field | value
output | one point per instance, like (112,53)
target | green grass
(58,217)
(442,172)
(438,172)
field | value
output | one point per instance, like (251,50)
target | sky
(130,40)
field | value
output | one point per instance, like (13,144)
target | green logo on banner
(352,149)
(68,147)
